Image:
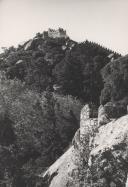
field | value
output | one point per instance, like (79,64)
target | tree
(115,77)
(69,75)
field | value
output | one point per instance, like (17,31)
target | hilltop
(52,58)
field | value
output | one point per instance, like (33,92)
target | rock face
(109,157)
(97,158)
(88,127)
(103,117)
(28,45)
(19,62)
(59,173)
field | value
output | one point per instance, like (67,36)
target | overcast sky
(101,21)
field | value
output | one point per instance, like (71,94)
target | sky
(101,21)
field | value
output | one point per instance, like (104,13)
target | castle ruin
(51,33)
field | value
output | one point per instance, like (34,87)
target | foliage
(40,128)
(79,72)
(75,67)
(115,76)
(38,122)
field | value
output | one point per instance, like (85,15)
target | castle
(59,33)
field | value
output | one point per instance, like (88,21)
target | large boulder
(109,157)
(59,173)
(19,62)
(103,117)
(103,164)
(88,120)
(66,170)
(28,45)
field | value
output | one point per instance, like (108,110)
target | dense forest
(44,83)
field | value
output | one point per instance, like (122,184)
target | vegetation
(37,121)
(115,76)
(75,68)
(35,130)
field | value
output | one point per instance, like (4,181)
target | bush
(41,126)
(115,77)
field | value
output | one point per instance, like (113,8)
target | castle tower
(59,33)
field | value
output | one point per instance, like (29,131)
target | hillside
(45,61)
(44,84)
(115,77)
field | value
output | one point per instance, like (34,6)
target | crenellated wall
(59,33)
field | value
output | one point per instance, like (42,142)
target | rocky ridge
(98,155)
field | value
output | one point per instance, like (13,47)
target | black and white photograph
(63,93)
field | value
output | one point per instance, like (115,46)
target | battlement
(59,33)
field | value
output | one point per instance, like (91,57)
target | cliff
(98,156)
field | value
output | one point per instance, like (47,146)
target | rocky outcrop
(19,62)
(97,158)
(28,45)
(103,117)
(59,173)
(109,157)
(88,127)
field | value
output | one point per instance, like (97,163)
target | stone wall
(60,33)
